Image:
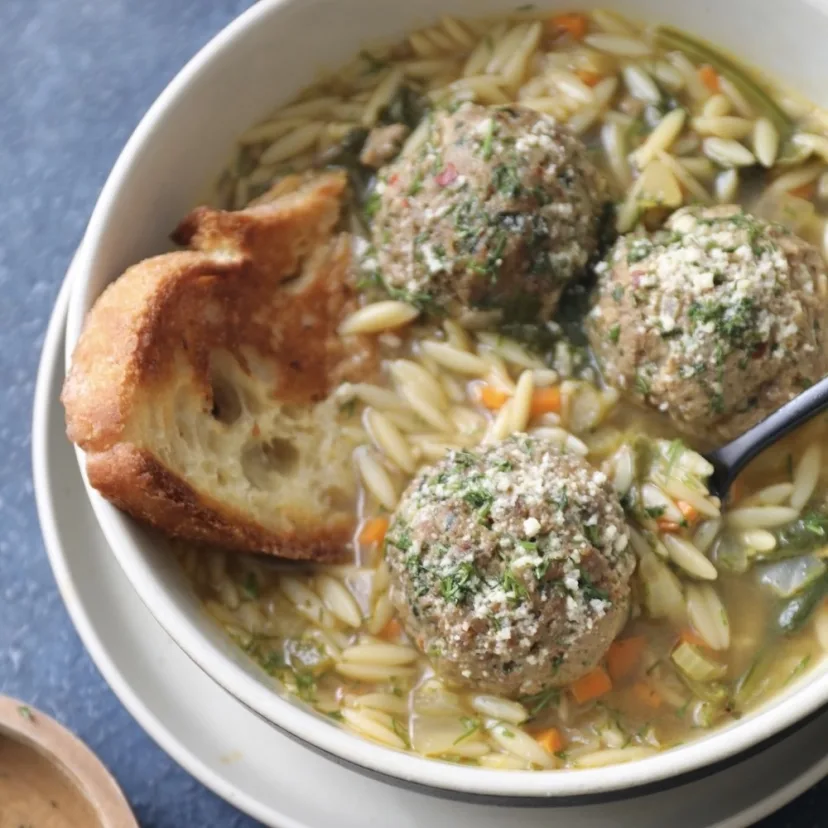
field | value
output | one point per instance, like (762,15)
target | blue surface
(75,77)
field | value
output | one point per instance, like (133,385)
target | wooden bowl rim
(40,732)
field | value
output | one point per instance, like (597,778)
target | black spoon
(731,458)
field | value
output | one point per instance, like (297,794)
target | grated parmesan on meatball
(499,209)
(715,320)
(510,566)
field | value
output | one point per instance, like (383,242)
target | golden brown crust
(305,218)
(231,295)
(134,481)
(124,338)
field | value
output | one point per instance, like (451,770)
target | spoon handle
(731,458)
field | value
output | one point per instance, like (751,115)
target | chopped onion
(663,595)
(695,665)
(730,554)
(787,578)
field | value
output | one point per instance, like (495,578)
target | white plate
(251,765)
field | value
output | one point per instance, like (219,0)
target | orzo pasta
(475,271)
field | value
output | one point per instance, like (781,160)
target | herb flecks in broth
(728,602)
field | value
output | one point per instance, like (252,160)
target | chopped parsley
(459,584)
(305,686)
(655,512)
(370,280)
(479,499)
(465,459)
(593,533)
(540,701)
(470,726)
(734,321)
(372,204)
(614,333)
(639,249)
(402,541)
(250,585)
(815,523)
(642,385)
(416,185)
(26,712)
(514,587)
(494,259)
(506,180)
(590,591)
(541,569)
(272,663)
(422,300)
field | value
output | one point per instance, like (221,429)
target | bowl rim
(68,755)
(406,768)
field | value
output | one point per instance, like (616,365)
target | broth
(698,651)
(33,791)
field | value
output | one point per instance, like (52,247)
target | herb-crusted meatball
(716,320)
(499,209)
(510,566)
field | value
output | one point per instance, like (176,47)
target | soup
(726,605)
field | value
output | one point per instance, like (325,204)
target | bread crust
(268,284)
(137,483)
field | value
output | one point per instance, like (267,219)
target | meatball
(715,320)
(499,209)
(510,566)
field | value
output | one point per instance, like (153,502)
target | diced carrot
(624,656)
(690,513)
(546,400)
(669,526)
(391,631)
(493,398)
(550,740)
(373,531)
(646,694)
(575,25)
(805,191)
(594,684)
(709,77)
(589,78)
(691,637)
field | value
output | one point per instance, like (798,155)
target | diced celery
(696,666)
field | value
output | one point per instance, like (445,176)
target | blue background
(75,78)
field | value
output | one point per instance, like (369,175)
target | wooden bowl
(48,777)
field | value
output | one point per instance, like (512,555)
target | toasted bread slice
(200,386)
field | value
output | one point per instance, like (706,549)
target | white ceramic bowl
(259,61)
